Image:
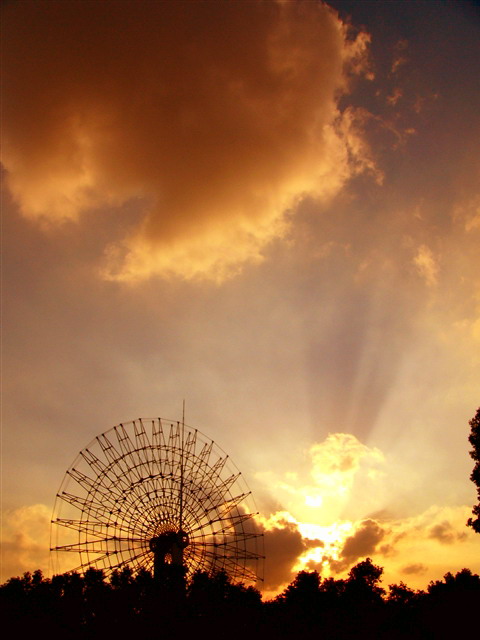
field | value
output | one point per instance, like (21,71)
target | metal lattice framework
(140,483)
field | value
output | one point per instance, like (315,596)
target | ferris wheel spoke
(231,523)
(100,533)
(247,574)
(198,478)
(223,559)
(228,506)
(204,454)
(141,436)
(90,544)
(139,461)
(219,494)
(135,446)
(82,526)
(124,460)
(127,471)
(106,563)
(206,478)
(224,487)
(190,443)
(231,547)
(102,494)
(106,473)
(88,505)
(227,550)
(236,566)
(132,559)
(120,525)
(130,530)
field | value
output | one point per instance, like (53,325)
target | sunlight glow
(332,539)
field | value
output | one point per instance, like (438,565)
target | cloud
(468,213)
(336,463)
(351,126)
(427,265)
(283,545)
(416,568)
(399,56)
(331,469)
(394,97)
(25,545)
(211,120)
(363,542)
(334,549)
(340,453)
(445,533)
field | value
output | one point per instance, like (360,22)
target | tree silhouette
(363,581)
(304,589)
(89,606)
(456,598)
(474,439)
(400,594)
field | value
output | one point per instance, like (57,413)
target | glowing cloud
(426,265)
(25,545)
(336,460)
(320,495)
(390,543)
(218,116)
(313,534)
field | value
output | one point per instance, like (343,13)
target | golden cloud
(427,265)
(404,546)
(323,532)
(322,491)
(26,535)
(218,117)
(416,568)
(468,213)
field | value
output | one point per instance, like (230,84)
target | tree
(364,577)
(401,595)
(304,589)
(474,439)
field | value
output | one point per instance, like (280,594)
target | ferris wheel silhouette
(151,493)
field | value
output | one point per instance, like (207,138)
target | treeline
(88,606)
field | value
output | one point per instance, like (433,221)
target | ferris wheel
(151,493)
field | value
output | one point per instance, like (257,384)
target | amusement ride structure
(155,494)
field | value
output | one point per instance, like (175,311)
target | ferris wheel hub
(165,542)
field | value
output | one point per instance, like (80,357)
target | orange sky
(270,209)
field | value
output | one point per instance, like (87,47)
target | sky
(270,210)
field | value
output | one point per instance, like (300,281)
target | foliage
(363,580)
(400,594)
(90,606)
(304,589)
(474,439)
